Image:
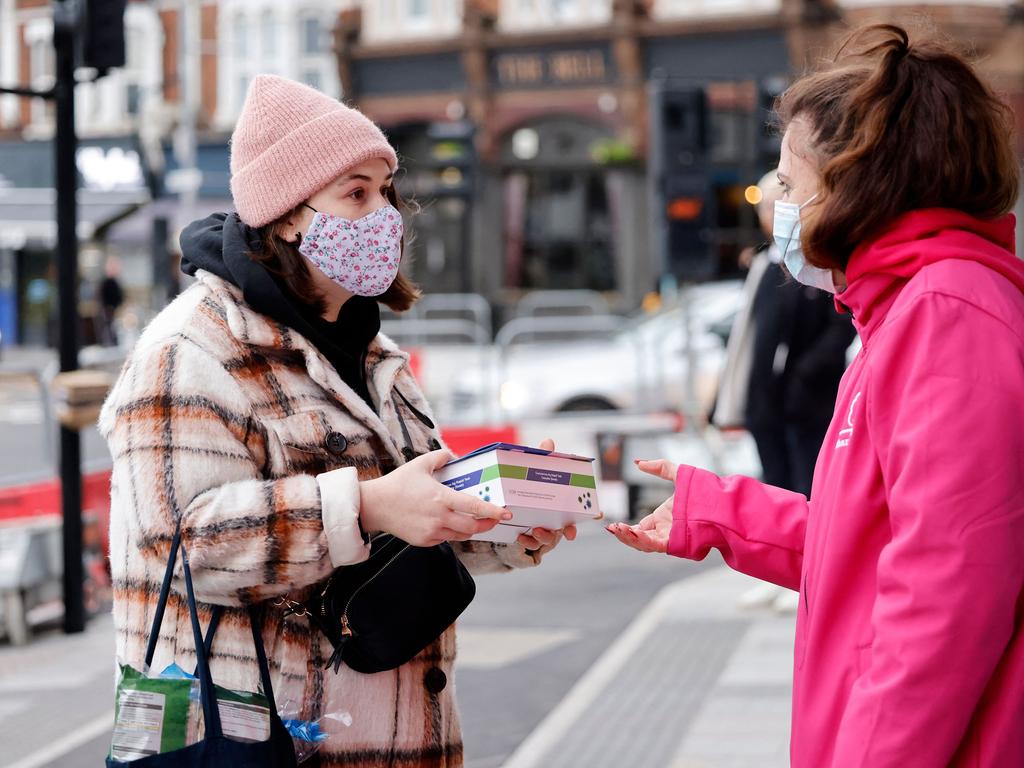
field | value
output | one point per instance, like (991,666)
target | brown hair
(283,260)
(897,126)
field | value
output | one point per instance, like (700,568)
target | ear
(290,230)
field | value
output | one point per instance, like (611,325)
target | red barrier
(463,440)
(22,503)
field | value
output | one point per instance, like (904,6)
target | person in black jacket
(798,358)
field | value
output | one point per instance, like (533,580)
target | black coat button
(435,680)
(336,442)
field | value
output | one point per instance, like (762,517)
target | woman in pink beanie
(264,418)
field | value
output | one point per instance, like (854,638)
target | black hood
(221,244)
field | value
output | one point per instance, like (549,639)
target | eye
(357,194)
(385,189)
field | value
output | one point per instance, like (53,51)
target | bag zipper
(346,629)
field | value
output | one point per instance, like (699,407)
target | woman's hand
(650,534)
(416,508)
(543,540)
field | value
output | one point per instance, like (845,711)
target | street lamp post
(65,20)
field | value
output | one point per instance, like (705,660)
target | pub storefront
(551,189)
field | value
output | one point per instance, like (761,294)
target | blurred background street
(586,206)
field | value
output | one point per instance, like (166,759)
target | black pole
(64,18)
(162,292)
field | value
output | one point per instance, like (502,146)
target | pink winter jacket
(909,556)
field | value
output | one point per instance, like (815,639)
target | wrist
(369,507)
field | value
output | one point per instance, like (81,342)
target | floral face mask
(361,256)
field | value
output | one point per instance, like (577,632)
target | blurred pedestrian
(899,171)
(263,414)
(790,351)
(111,297)
(798,356)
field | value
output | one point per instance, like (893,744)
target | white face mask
(786,231)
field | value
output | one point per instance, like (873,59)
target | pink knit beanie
(290,142)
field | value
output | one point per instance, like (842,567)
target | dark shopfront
(556,192)
(112,185)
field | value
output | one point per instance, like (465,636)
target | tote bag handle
(207,695)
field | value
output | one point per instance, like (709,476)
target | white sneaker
(788,601)
(761,595)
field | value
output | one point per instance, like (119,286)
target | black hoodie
(221,244)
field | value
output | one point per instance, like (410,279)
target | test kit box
(541,489)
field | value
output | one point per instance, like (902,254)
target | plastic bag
(163,713)
(307,736)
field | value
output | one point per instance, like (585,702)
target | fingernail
(507,516)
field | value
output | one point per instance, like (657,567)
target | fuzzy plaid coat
(241,429)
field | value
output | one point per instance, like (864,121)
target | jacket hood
(879,269)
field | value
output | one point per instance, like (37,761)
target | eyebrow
(361,177)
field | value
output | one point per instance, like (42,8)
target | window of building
(311,35)
(418,10)
(565,10)
(268,32)
(241,34)
(42,67)
(133,70)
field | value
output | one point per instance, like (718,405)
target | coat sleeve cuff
(679,536)
(339,505)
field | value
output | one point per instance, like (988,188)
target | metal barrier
(557,328)
(472,305)
(419,331)
(562,303)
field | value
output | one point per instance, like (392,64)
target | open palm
(652,533)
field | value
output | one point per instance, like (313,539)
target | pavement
(691,681)
(695,681)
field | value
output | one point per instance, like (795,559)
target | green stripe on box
(582,481)
(495,471)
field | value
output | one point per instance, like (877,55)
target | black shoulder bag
(380,613)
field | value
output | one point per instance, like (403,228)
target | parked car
(642,367)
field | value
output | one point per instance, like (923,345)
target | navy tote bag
(215,750)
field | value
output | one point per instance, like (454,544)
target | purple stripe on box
(548,476)
(464,481)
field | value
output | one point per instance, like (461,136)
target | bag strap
(255,620)
(207,693)
(204,646)
(211,714)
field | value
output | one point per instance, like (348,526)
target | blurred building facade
(131,129)
(523,125)
(555,96)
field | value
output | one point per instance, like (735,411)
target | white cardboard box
(541,489)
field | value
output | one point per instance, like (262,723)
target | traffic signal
(452,156)
(102,31)
(684,201)
(769,137)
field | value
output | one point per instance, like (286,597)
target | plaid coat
(241,429)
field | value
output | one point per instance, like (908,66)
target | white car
(641,368)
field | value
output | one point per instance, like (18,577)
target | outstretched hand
(652,533)
(543,540)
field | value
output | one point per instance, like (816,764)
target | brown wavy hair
(284,261)
(898,126)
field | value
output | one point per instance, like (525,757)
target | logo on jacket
(845,435)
